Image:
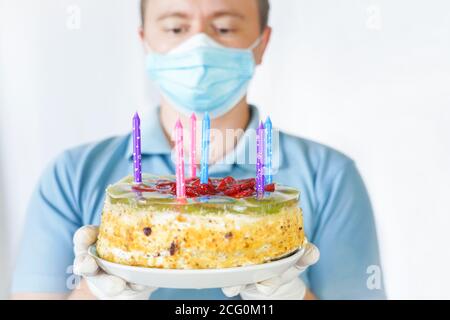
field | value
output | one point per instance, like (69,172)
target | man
(201,54)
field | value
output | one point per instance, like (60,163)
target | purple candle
(260,161)
(137,157)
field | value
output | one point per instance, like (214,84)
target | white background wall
(368,77)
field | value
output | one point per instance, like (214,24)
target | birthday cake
(220,224)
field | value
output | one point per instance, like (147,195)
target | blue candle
(268,161)
(206,126)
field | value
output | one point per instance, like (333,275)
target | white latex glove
(102,285)
(287,286)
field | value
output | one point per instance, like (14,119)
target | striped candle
(179,170)
(137,156)
(260,161)
(268,160)
(193,154)
(206,127)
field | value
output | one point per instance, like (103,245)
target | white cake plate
(198,278)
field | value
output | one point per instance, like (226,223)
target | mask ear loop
(256,43)
(148,48)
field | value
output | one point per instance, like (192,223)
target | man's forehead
(213,8)
(183,14)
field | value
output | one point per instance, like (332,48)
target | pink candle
(181,187)
(193,145)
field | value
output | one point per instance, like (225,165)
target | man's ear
(261,49)
(141,33)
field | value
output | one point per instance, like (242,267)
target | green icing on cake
(122,193)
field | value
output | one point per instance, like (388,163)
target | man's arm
(346,236)
(44,262)
(83,293)
(39,296)
(309,295)
(80,293)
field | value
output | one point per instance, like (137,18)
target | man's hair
(263,6)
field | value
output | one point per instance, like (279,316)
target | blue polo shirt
(337,212)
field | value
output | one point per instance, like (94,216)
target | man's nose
(200,25)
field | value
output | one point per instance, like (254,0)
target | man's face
(233,23)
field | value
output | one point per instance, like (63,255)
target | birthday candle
(206,126)
(268,161)
(193,145)
(181,187)
(260,161)
(137,157)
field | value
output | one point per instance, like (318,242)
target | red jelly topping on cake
(227,186)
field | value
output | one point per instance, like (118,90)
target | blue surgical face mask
(201,75)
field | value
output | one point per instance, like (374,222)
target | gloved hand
(287,286)
(102,285)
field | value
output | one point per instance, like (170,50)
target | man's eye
(224,31)
(176,30)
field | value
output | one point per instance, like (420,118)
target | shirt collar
(244,155)
(154,142)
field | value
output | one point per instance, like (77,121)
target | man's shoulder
(86,169)
(317,155)
(102,147)
(84,158)
(110,148)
